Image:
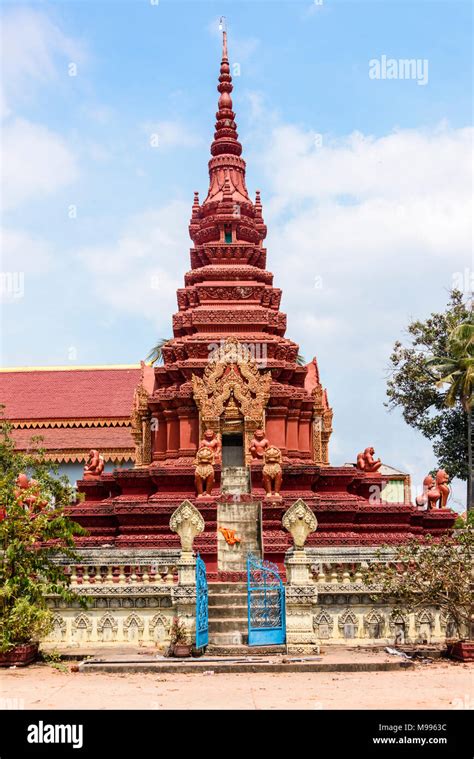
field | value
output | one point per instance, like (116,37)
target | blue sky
(368,227)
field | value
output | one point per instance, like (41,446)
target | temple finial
(225,137)
(223,29)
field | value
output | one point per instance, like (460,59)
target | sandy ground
(440,685)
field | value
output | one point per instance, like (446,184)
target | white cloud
(139,273)
(367,214)
(384,222)
(35,53)
(32,46)
(165,135)
(22,252)
(401,166)
(35,161)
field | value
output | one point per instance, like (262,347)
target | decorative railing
(123,574)
(341,579)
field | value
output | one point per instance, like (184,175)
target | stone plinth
(301,601)
(244,519)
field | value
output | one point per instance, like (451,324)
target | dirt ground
(441,685)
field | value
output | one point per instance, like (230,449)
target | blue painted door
(266,603)
(202,614)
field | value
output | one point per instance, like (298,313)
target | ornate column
(326,434)
(301,591)
(321,426)
(187,521)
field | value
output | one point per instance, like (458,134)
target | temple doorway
(233,450)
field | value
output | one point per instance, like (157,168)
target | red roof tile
(66,440)
(89,393)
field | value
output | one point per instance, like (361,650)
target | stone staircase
(235,480)
(228,614)
(228,622)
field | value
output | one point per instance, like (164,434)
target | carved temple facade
(230,368)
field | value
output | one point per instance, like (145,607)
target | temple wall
(132,597)
(328,603)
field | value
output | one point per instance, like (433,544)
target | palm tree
(155,356)
(456,370)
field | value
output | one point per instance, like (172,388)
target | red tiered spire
(226,163)
(228,290)
(225,137)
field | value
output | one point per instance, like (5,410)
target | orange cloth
(229,536)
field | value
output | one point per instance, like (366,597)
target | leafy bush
(34,531)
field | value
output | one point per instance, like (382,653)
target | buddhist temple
(231,482)
(230,369)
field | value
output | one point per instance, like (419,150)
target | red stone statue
(211,441)
(366,461)
(258,444)
(272,472)
(430,495)
(435,492)
(94,466)
(442,480)
(204,472)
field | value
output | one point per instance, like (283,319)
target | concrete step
(208,664)
(234,490)
(230,599)
(230,625)
(223,612)
(214,649)
(215,588)
(224,639)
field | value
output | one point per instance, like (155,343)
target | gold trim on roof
(21,424)
(81,455)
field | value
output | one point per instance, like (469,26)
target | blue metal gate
(266,603)
(202,615)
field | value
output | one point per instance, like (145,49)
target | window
(228,235)
(349,630)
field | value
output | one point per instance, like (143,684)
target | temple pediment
(232,380)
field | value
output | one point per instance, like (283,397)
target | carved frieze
(232,373)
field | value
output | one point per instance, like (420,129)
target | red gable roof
(57,393)
(73,444)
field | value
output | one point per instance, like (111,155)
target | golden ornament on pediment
(231,382)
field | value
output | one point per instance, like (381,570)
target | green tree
(430,573)
(412,386)
(456,371)
(34,532)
